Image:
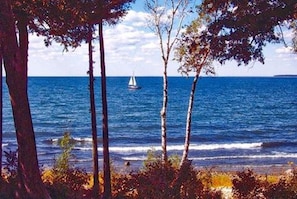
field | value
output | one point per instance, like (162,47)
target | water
(236,121)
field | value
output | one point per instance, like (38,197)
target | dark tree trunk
(15,56)
(1,109)
(96,193)
(106,164)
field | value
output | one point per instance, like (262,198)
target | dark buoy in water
(127,163)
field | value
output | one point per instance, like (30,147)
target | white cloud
(136,19)
(284,50)
(131,46)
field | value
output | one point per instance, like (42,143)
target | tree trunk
(1,109)
(189,119)
(15,63)
(163,115)
(96,193)
(106,164)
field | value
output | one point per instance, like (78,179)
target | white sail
(132,83)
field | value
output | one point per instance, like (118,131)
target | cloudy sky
(132,47)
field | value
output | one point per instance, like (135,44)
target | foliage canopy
(238,30)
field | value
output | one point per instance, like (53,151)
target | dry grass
(221,180)
(218,179)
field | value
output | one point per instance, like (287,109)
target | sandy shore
(259,169)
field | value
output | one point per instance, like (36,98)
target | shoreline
(277,169)
(259,169)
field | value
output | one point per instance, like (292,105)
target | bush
(163,180)
(67,184)
(63,161)
(64,181)
(286,188)
(246,185)
(8,182)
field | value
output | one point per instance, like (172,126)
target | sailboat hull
(134,87)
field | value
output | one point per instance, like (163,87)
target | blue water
(236,120)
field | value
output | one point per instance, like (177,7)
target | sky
(131,47)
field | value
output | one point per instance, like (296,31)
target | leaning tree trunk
(15,56)
(189,119)
(163,114)
(106,163)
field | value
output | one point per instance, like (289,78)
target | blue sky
(131,46)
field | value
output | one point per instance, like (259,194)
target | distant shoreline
(285,76)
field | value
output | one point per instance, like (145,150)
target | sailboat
(132,83)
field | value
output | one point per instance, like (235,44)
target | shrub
(286,188)
(122,187)
(11,163)
(63,161)
(163,180)
(246,185)
(8,182)
(155,180)
(65,181)
(67,184)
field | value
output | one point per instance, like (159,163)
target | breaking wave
(193,147)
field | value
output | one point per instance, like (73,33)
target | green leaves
(191,52)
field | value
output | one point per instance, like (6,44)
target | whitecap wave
(226,146)
(4,144)
(79,139)
(142,158)
(268,156)
(135,158)
(193,147)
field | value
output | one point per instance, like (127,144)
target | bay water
(236,121)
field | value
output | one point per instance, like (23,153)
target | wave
(73,140)
(275,156)
(85,145)
(193,147)
(227,146)
(4,145)
(279,144)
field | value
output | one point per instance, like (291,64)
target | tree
(14,44)
(1,108)
(193,58)
(62,21)
(91,13)
(93,119)
(17,19)
(233,30)
(293,26)
(109,11)
(238,30)
(166,22)
(114,11)
(106,163)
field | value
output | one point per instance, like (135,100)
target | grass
(221,180)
